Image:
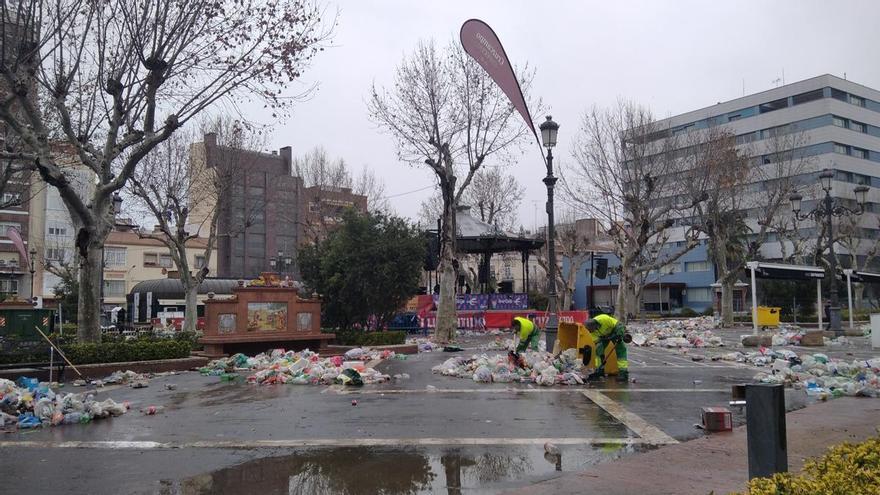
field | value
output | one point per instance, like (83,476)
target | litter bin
(768,317)
(576,336)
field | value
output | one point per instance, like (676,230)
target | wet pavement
(427,434)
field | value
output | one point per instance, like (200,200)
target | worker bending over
(607,330)
(528,335)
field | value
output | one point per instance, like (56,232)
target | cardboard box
(717,419)
(813,338)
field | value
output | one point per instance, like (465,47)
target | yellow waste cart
(768,316)
(576,336)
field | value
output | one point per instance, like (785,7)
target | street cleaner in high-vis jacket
(528,334)
(606,330)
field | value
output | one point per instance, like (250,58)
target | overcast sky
(670,56)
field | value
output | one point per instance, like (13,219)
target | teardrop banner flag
(15,236)
(482,44)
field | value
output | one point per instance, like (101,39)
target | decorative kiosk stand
(263,314)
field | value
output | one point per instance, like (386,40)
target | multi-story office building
(837,124)
(268,212)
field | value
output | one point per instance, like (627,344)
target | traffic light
(601,268)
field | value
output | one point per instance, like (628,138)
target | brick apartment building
(268,212)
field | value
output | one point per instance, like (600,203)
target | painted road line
(526,391)
(329,442)
(642,428)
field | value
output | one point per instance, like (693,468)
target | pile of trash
(28,403)
(817,374)
(691,332)
(302,368)
(539,367)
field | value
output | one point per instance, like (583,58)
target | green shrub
(538,300)
(709,311)
(687,313)
(362,338)
(846,468)
(133,350)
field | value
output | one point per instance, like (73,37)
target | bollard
(765,429)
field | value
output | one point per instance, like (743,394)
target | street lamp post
(33,270)
(549,130)
(282,264)
(826,211)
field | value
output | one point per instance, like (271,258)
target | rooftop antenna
(776,81)
(844,76)
(783,76)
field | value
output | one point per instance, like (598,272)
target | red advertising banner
(483,45)
(482,320)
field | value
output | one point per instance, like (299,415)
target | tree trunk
(623,306)
(858,294)
(447,319)
(88,327)
(190,315)
(727,285)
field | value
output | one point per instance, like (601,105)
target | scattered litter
(138,384)
(152,410)
(690,332)
(28,403)
(354,402)
(817,374)
(303,368)
(170,386)
(551,449)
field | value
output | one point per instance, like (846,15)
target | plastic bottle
(152,410)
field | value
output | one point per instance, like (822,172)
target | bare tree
(743,194)
(625,176)
(327,183)
(170,180)
(495,197)
(430,210)
(368,184)
(446,113)
(858,253)
(574,243)
(123,76)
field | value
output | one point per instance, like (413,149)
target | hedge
(361,338)
(845,469)
(133,350)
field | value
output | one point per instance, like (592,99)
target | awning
(786,272)
(866,277)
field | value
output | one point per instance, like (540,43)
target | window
(114,288)
(670,269)
(199,262)
(8,286)
(4,226)
(859,153)
(838,94)
(151,259)
(114,256)
(734,116)
(805,97)
(58,231)
(773,105)
(839,122)
(857,126)
(165,261)
(701,294)
(696,266)
(683,129)
(857,100)
(56,254)
(839,148)
(10,198)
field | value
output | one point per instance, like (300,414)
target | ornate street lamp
(549,129)
(826,211)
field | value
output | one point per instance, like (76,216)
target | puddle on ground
(355,471)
